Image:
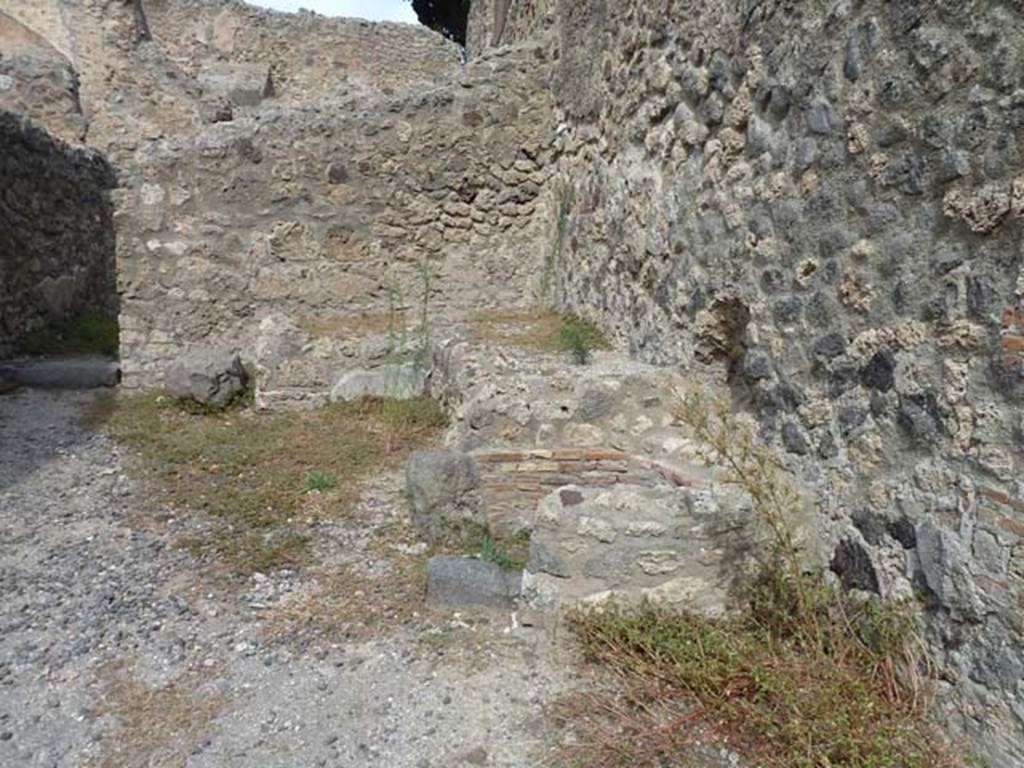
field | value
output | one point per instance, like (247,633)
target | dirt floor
(121,647)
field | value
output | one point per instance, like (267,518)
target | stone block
(398,381)
(680,546)
(212,376)
(244,85)
(458,581)
(61,373)
(444,489)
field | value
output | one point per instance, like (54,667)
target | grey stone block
(453,580)
(403,381)
(62,373)
(213,376)
(684,547)
(944,570)
(444,488)
(244,85)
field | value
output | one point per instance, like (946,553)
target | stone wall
(319,220)
(820,206)
(309,55)
(495,23)
(36,80)
(45,18)
(56,232)
(129,92)
(134,91)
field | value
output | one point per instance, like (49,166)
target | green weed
(580,339)
(542,331)
(319,480)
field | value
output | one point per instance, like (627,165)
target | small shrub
(319,480)
(540,330)
(508,554)
(580,339)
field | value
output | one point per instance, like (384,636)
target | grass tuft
(752,683)
(154,726)
(509,553)
(580,339)
(91,333)
(244,474)
(320,480)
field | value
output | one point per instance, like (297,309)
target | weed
(426,276)
(753,467)
(508,553)
(580,339)
(398,330)
(806,677)
(320,480)
(399,347)
(91,333)
(241,473)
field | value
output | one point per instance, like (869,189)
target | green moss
(91,333)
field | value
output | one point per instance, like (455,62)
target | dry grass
(154,727)
(536,330)
(244,475)
(753,684)
(345,603)
(359,324)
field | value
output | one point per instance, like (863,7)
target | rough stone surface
(62,373)
(243,85)
(444,491)
(37,81)
(56,232)
(350,236)
(679,547)
(397,381)
(212,377)
(455,581)
(817,207)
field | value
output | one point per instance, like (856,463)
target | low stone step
(459,581)
(87,372)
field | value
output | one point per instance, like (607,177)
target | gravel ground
(116,649)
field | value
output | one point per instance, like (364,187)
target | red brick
(1001,496)
(1013,343)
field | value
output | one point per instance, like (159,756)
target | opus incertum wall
(56,232)
(820,205)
